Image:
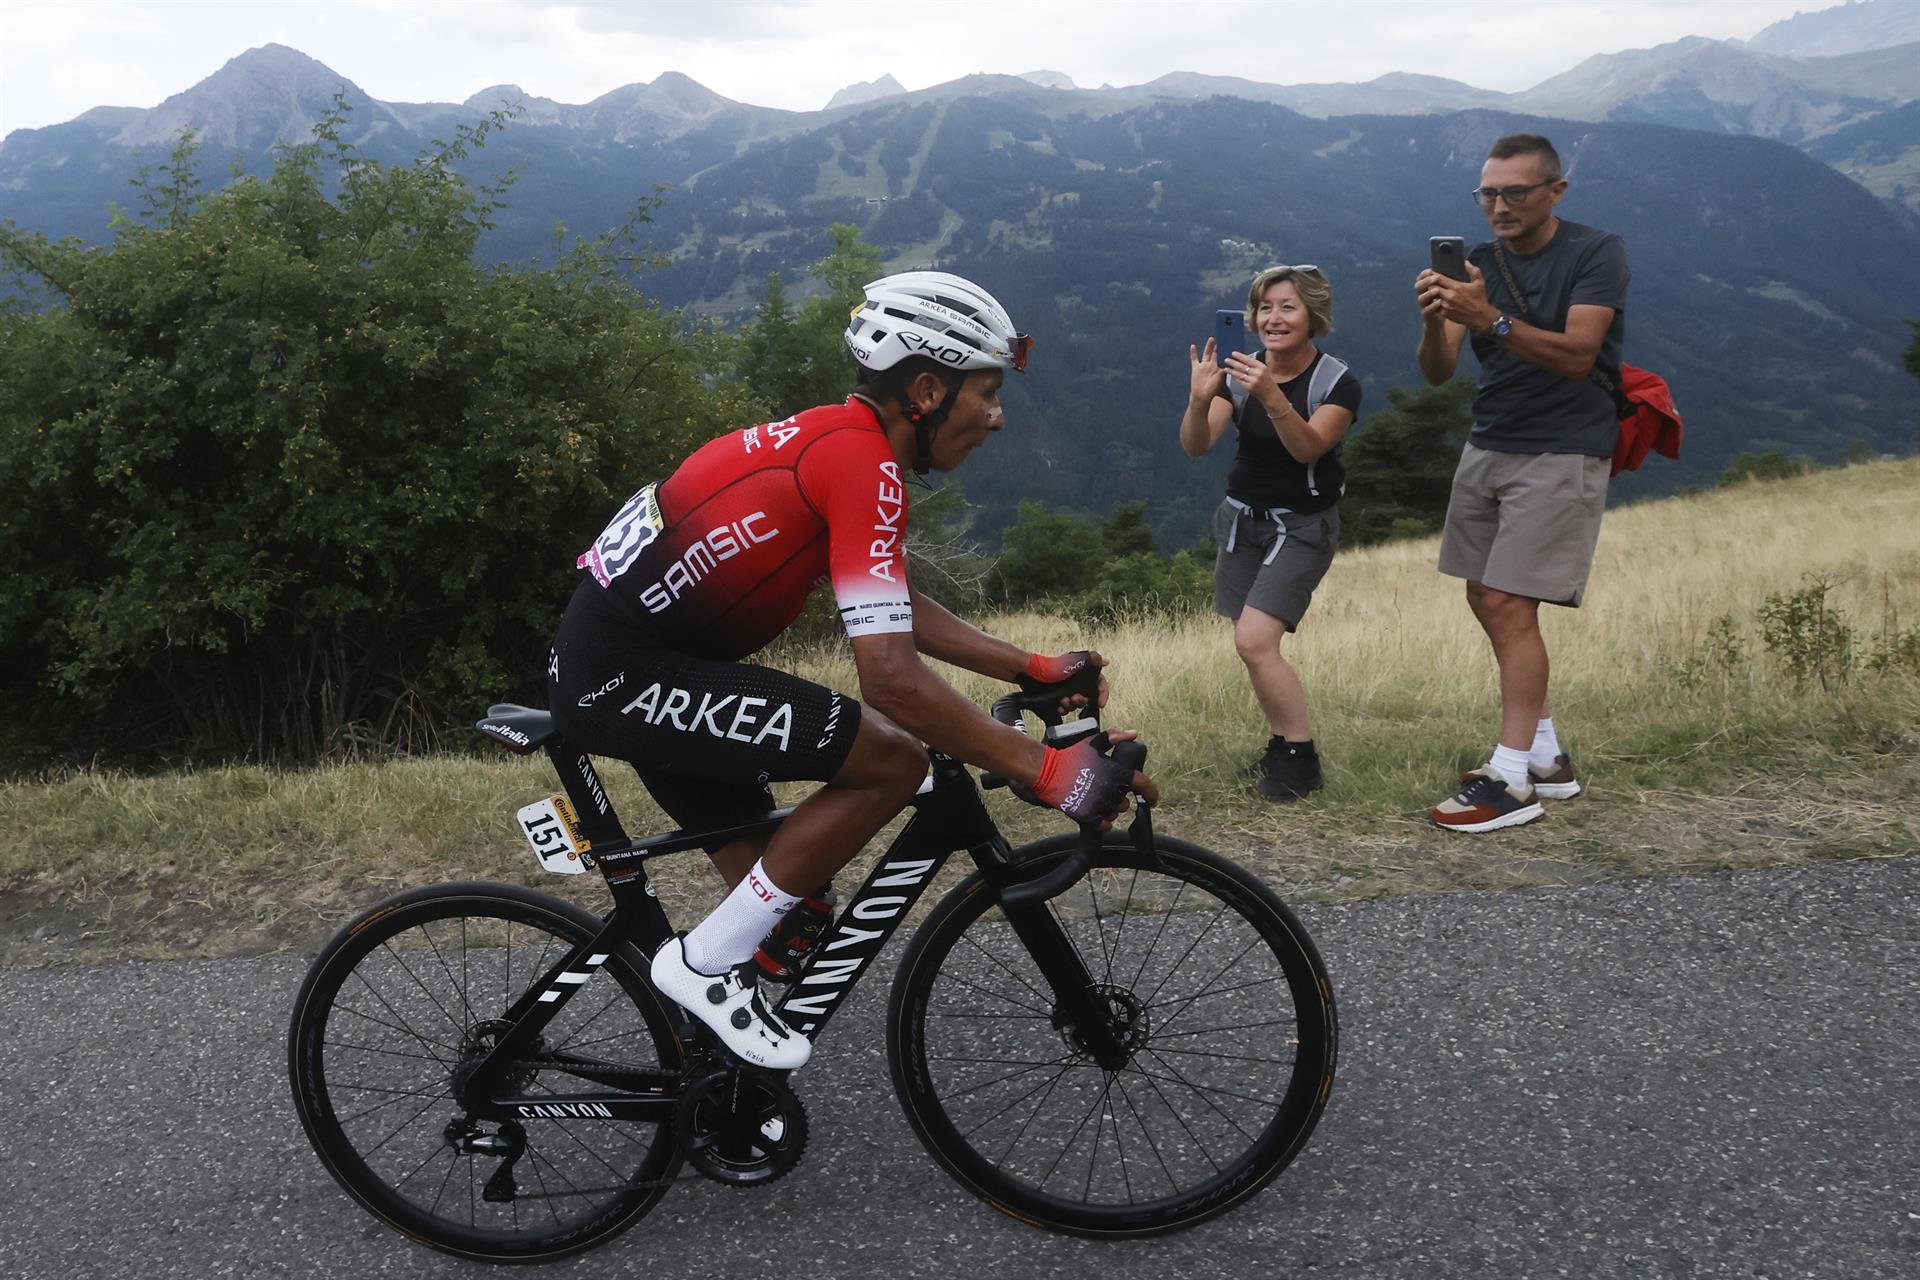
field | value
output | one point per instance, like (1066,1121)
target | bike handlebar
(1133,755)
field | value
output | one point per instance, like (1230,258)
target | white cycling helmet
(933,314)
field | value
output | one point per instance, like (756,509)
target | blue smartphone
(1229,334)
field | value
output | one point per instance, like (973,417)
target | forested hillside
(1769,289)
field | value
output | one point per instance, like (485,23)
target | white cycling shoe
(731,1006)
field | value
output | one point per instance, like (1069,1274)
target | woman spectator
(1280,522)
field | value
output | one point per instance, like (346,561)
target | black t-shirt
(1520,407)
(1264,474)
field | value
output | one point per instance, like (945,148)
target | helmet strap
(926,424)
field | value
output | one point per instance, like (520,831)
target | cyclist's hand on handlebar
(1043,671)
(1086,784)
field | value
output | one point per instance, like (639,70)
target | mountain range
(1771,278)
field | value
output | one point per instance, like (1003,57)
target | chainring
(741,1128)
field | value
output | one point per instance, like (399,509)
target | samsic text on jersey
(720,557)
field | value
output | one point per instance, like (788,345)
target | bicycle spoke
(1205,1092)
(1038,994)
(1046,1084)
(1071,1139)
(1230,1057)
(401,1025)
(1021,1132)
(1165,917)
(988,991)
(1179,1119)
(453,1051)
(1217,975)
(1126,909)
(954,1095)
(429,1105)
(385,1053)
(1160,1035)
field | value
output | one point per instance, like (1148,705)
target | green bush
(1809,637)
(291,475)
(1400,464)
(1048,555)
(1773,465)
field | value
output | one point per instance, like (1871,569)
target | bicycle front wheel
(411,994)
(1222,1005)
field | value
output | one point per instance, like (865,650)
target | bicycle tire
(388,1010)
(976,1054)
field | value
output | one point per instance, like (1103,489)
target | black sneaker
(784,951)
(1292,770)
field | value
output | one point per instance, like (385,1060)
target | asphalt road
(1701,1077)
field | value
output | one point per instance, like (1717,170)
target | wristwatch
(1503,326)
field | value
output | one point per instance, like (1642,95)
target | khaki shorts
(1525,523)
(1278,580)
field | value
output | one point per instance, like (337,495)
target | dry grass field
(1700,747)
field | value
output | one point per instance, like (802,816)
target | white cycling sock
(1546,746)
(730,935)
(1511,764)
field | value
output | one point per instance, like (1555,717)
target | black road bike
(1111,1034)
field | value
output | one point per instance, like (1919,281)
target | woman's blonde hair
(1315,294)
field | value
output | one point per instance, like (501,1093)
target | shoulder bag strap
(1600,378)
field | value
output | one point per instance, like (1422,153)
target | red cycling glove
(1043,671)
(1081,781)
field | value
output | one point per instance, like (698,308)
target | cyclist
(699,571)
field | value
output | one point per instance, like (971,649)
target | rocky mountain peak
(261,96)
(866,91)
(1854,27)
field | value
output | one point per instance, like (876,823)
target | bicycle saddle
(521,730)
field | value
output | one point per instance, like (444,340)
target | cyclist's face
(976,414)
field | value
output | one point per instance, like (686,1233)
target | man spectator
(1544,306)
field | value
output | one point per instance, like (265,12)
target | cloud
(708,21)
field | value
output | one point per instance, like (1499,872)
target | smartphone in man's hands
(1229,335)
(1448,255)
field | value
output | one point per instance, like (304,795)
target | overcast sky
(60,57)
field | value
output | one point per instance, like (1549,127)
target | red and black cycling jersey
(720,557)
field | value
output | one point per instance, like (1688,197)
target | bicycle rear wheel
(410,994)
(1228,1021)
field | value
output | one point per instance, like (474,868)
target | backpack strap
(1325,374)
(1319,387)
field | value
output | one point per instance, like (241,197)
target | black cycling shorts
(705,737)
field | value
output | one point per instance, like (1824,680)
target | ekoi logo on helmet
(920,344)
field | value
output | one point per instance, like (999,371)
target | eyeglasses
(1303,268)
(1019,349)
(1515,196)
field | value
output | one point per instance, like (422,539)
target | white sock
(1546,746)
(737,926)
(1511,764)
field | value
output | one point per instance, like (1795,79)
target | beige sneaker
(1486,803)
(1557,783)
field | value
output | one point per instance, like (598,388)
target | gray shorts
(1278,580)
(1525,523)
